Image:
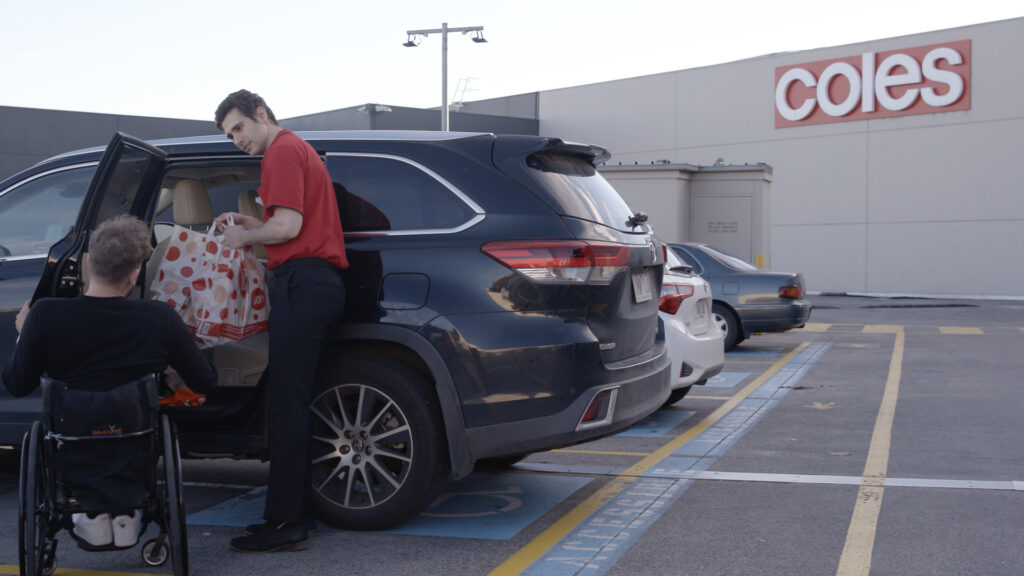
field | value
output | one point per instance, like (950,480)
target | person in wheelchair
(99,341)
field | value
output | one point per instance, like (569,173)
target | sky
(179,59)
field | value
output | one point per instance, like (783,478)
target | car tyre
(726,320)
(379,454)
(500,462)
(676,395)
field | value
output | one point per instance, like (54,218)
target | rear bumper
(774,317)
(640,390)
(694,358)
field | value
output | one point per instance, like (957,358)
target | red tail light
(672,296)
(557,261)
(600,411)
(794,292)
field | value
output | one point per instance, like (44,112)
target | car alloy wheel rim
(362,446)
(722,324)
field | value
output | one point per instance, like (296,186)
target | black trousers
(307,299)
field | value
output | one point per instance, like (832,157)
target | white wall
(930,204)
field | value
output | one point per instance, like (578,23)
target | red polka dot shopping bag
(220,292)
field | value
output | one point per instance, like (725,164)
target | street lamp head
(411,42)
(479,37)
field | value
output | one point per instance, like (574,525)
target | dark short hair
(246,102)
(117,246)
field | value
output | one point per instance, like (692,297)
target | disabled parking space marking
(726,379)
(592,537)
(493,506)
(658,424)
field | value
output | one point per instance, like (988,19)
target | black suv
(502,300)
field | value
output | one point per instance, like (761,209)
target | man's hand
(19,320)
(235,237)
(235,219)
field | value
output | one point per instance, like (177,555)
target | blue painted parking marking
(240,511)
(658,424)
(726,379)
(493,506)
(594,546)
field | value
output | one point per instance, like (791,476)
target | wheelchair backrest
(79,412)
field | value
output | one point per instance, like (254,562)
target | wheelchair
(76,421)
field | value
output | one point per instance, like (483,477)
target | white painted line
(778,478)
(1009,485)
(941,483)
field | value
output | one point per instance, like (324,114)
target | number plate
(643,286)
(701,317)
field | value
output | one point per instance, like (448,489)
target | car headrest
(248,205)
(192,204)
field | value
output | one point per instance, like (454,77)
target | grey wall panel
(28,135)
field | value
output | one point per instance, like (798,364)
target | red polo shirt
(295,177)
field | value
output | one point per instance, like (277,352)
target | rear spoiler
(508,146)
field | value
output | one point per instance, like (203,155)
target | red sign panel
(922,80)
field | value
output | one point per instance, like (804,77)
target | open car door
(128,172)
(121,184)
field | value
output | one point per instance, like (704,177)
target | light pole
(443,31)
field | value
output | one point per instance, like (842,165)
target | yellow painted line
(959,330)
(749,361)
(14,571)
(529,554)
(882,329)
(815,327)
(599,452)
(860,536)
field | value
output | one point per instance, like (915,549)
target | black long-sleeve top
(99,343)
(102,342)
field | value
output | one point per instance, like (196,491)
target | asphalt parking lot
(884,438)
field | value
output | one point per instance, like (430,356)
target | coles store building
(890,166)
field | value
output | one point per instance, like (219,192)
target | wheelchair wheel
(175,513)
(154,552)
(36,545)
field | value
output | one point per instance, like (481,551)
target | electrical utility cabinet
(727,206)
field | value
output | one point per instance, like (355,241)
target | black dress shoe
(254,528)
(273,538)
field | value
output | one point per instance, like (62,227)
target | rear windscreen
(579,190)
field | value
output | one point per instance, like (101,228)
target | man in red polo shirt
(302,234)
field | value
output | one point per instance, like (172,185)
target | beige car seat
(192,209)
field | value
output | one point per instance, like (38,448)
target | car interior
(192,198)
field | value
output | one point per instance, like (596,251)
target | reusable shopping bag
(220,292)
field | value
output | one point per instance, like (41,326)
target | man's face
(251,136)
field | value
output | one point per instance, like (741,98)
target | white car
(695,343)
